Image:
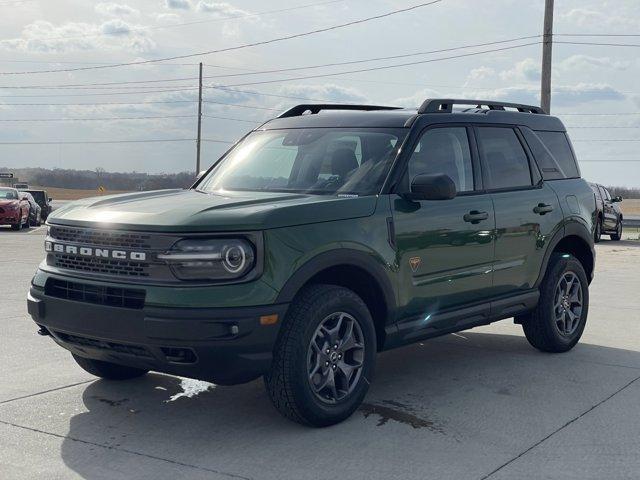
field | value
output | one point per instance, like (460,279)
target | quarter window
(563,159)
(443,150)
(506,163)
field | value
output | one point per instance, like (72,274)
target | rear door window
(505,162)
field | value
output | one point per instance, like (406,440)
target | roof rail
(441,105)
(315,108)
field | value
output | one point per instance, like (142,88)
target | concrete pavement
(479,404)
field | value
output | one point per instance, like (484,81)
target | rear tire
(108,370)
(558,321)
(324,357)
(618,235)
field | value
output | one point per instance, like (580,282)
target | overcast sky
(64,34)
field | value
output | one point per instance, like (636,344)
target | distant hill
(93,179)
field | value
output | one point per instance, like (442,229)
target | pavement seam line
(124,450)
(45,391)
(490,474)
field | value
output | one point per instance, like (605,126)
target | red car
(14,208)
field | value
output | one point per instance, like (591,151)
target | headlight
(211,259)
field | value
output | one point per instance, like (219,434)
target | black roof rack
(315,108)
(442,105)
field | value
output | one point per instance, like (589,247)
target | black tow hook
(44,332)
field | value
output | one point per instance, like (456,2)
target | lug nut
(335,347)
(340,357)
(334,366)
(327,351)
(326,364)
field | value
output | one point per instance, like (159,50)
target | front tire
(618,235)
(108,370)
(17,226)
(324,357)
(597,235)
(558,321)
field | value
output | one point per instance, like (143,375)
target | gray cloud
(221,9)
(178,4)
(327,92)
(45,37)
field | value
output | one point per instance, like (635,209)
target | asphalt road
(475,405)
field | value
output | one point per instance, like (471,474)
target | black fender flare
(572,228)
(335,258)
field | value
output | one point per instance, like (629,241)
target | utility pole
(547,48)
(199,121)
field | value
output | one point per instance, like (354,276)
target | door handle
(543,208)
(474,216)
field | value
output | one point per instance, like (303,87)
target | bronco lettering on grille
(94,252)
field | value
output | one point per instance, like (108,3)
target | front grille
(103,238)
(101,265)
(108,296)
(134,350)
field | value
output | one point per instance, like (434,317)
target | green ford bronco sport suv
(322,237)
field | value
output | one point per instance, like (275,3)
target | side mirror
(50,199)
(437,186)
(617,199)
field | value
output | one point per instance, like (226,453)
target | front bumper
(9,219)
(222,345)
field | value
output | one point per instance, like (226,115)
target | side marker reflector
(269,319)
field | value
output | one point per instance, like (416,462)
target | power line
(98,94)
(90,119)
(87,142)
(236,47)
(280,70)
(599,114)
(97,103)
(242,106)
(16,2)
(624,160)
(198,22)
(596,34)
(391,57)
(232,119)
(605,140)
(585,126)
(600,44)
(384,67)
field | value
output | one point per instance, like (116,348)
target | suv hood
(194,211)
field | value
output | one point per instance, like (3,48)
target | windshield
(311,160)
(8,194)
(38,195)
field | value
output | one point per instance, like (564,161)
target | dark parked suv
(608,214)
(322,237)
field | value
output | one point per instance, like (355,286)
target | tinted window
(505,161)
(443,150)
(323,161)
(562,155)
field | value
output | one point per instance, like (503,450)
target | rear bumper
(222,345)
